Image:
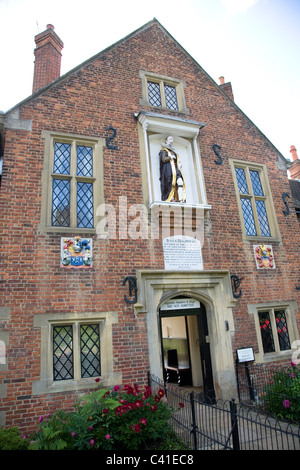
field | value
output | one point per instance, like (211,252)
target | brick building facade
(205,277)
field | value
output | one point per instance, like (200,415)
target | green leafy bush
(111,420)
(10,439)
(282,398)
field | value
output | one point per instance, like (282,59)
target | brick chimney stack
(295,168)
(47,58)
(226,87)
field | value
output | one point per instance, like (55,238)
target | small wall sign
(76,253)
(245,355)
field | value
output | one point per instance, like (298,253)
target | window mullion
(73,195)
(162,94)
(76,351)
(253,203)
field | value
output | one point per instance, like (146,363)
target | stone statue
(171,178)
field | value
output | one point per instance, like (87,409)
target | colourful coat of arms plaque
(76,252)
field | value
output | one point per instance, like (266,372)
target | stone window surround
(272,219)
(44,323)
(97,144)
(162,79)
(290,309)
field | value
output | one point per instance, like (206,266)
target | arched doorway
(185,344)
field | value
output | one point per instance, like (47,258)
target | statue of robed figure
(172,183)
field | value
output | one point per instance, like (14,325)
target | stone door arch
(213,290)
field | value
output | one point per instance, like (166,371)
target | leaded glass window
(85,209)
(171,97)
(253,202)
(282,330)
(266,332)
(154,94)
(162,94)
(85,363)
(61,203)
(63,353)
(90,350)
(72,185)
(274,330)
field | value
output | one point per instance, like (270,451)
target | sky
(254,44)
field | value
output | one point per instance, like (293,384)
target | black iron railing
(203,424)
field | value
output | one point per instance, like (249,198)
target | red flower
(143,421)
(137,428)
(161,393)
(97,380)
(181,405)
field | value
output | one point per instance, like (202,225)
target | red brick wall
(106,92)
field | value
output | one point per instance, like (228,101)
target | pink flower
(116,388)
(92,442)
(41,419)
(293,364)
(143,421)
(286,404)
(90,428)
(107,436)
(73,434)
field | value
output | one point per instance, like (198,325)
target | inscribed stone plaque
(182,253)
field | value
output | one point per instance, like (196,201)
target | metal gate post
(194,425)
(234,424)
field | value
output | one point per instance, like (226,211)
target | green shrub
(282,398)
(111,420)
(10,439)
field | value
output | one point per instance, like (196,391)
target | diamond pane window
(61,203)
(171,97)
(256,184)
(63,353)
(266,332)
(248,217)
(85,210)
(73,185)
(241,181)
(84,161)
(90,350)
(254,202)
(154,94)
(282,330)
(263,218)
(62,158)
